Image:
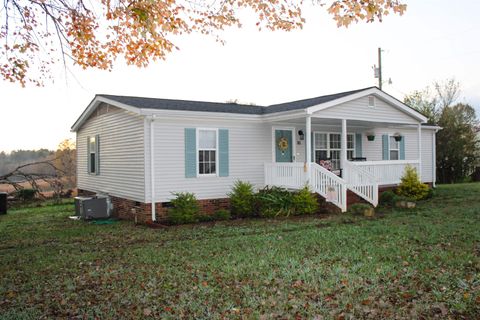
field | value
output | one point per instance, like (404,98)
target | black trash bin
(3,202)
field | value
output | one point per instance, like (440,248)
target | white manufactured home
(140,150)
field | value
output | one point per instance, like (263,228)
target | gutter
(434,156)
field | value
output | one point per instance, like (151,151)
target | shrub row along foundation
(243,202)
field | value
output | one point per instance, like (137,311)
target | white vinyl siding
(359,109)
(121,154)
(250,147)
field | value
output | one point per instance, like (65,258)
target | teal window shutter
(385,147)
(358,145)
(402,148)
(223,156)
(88,155)
(97,154)
(190,152)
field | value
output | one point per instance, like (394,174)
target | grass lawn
(422,263)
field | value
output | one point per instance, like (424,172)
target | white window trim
(90,151)
(372,105)
(328,143)
(198,149)
(390,149)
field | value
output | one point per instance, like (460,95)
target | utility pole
(378,71)
(380,68)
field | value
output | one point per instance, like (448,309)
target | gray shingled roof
(302,104)
(185,105)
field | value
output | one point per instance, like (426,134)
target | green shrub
(242,199)
(205,218)
(430,194)
(411,186)
(304,202)
(274,202)
(387,198)
(222,214)
(402,198)
(184,208)
(219,215)
(361,209)
(26,194)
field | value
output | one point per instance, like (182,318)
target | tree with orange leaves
(66,162)
(36,34)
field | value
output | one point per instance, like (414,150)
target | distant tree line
(21,165)
(10,161)
(458,143)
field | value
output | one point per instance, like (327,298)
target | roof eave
(94,104)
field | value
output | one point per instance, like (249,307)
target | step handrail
(328,185)
(361,182)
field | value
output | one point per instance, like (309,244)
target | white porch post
(343,152)
(308,138)
(419,131)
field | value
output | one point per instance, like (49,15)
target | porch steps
(359,184)
(327,207)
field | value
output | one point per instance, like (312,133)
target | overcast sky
(434,40)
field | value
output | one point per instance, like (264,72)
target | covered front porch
(335,155)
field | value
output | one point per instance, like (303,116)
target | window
(335,149)
(371,101)
(207,151)
(321,147)
(92,155)
(329,145)
(394,147)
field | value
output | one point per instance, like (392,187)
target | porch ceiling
(299,122)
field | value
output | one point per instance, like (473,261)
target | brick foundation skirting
(142,212)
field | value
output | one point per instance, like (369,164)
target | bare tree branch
(20,175)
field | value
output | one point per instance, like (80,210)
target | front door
(283,145)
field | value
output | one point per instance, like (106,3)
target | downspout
(152,166)
(419,134)
(434,159)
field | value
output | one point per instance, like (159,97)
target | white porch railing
(361,182)
(329,186)
(285,174)
(363,178)
(293,175)
(386,172)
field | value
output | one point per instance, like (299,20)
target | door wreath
(283,144)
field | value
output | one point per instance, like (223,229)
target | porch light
(301,135)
